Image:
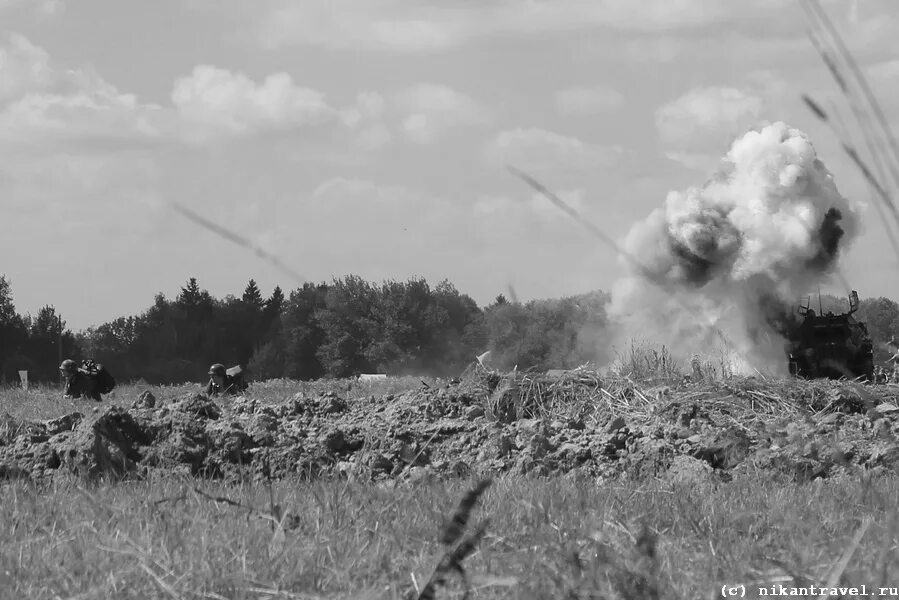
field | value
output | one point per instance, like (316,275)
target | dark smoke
(830,235)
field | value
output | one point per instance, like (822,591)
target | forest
(337,329)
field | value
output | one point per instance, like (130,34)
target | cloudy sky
(370,136)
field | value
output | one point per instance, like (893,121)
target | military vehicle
(831,345)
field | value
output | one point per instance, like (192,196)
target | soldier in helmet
(893,361)
(78,383)
(220,382)
(894,358)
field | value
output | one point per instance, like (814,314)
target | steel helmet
(68,366)
(217,369)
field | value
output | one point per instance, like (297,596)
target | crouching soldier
(222,381)
(79,383)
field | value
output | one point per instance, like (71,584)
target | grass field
(562,537)
(165,539)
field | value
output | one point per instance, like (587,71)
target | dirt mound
(106,443)
(574,423)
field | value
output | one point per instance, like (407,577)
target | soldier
(79,383)
(220,382)
(894,359)
(696,365)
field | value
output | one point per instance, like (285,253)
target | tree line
(336,329)
(330,329)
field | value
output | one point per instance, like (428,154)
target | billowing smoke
(719,264)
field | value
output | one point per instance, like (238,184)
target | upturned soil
(573,423)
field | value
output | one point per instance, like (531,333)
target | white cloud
(538,149)
(41,101)
(585,101)
(62,132)
(86,179)
(411,34)
(222,102)
(698,161)
(366,118)
(394,25)
(43,8)
(434,109)
(706,109)
(885,70)
(50,8)
(696,128)
(344,23)
(647,16)
(24,67)
(360,192)
(373,137)
(369,105)
(341,187)
(99,118)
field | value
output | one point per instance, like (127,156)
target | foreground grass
(546,539)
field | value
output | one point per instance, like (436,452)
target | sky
(371,137)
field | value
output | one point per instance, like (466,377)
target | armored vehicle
(831,345)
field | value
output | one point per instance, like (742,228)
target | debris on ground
(566,422)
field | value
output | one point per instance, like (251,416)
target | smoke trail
(240,241)
(738,251)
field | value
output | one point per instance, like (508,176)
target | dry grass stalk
(279,518)
(456,526)
(840,567)
(584,394)
(522,395)
(878,136)
(455,554)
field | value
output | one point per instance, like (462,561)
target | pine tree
(252,296)
(7,308)
(275,303)
(190,295)
(13,332)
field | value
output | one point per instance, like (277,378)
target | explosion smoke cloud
(737,252)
